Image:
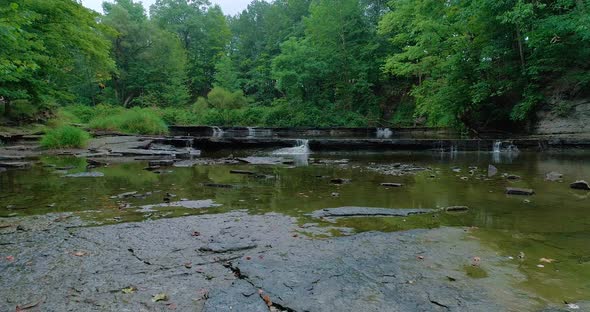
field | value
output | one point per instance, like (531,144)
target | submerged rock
(161,163)
(580,185)
(512,177)
(553,176)
(218,185)
(189,204)
(340,181)
(392,184)
(242,172)
(85,175)
(367,212)
(457,209)
(519,191)
(262,160)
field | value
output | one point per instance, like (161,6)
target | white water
(217,132)
(302,148)
(384,133)
(510,148)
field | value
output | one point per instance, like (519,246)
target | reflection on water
(553,224)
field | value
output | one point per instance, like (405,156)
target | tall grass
(133,121)
(65,137)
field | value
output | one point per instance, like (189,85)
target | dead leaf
(540,266)
(196,233)
(266,299)
(10,258)
(160,297)
(171,306)
(79,253)
(248,258)
(547,260)
(420,257)
(188,265)
(129,290)
(29,306)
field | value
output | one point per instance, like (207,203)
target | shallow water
(552,224)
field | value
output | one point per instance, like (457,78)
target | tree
(151,62)
(43,42)
(204,33)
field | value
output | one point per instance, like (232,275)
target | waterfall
(251,132)
(497,149)
(384,133)
(504,147)
(302,148)
(217,132)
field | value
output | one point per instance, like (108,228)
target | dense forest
(477,65)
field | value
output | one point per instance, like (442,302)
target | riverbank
(241,262)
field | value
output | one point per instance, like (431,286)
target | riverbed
(536,247)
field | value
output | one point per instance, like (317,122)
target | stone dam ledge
(248,263)
(318,144)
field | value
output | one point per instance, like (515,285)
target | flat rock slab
(262,160)
(85,175)
(67,268)
(189,204)
(519,191)
(366,212)
(15,164)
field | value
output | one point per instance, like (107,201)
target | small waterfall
(302,148)
(504,151)
(504,147)
(251,132)
(497,149)
(217,132)
(384,133)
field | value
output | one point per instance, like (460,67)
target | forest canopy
(477,65)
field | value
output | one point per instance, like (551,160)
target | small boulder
(580,185)
(492,171)
(519,191)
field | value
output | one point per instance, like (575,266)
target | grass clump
(65,137)
(133,121)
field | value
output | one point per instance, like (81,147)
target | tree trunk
(520,48)
(7,107)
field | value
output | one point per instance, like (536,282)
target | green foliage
(221,98)
(470,64)
(133,121)
(65,137)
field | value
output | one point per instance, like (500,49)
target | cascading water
(384,133)
(504,147)
(251,132)
(302,148)
(217,132)
(497,149)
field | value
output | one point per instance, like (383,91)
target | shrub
(64,137)
(133,121)
(221,98)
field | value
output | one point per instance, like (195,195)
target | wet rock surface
(366,212)
(239,262)
(580,185)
